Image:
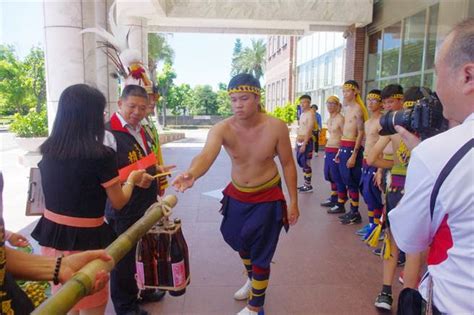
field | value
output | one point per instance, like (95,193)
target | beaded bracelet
(56,270)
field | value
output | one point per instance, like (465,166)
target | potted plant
(31,130)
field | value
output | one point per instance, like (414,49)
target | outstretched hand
(73,263)
(183,181)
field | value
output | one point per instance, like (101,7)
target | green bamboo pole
(81,284)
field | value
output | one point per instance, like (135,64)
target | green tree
(22,83)
(180,98)
(224,107)
(235,54)
(252,59)
(165,82)
(14,93)
(34,67)
(205,101)
(158,50)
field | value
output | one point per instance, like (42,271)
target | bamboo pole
(82,282)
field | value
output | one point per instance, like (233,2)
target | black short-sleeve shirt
(76,187)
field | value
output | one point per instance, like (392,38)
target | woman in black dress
(78,174)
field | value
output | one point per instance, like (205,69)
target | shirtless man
(335,125)
(370,191)
(253,206)
(350,152)
(304,143)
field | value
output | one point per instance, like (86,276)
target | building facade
(279,71)
(320,67)
(403,38)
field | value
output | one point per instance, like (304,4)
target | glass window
(315,37)
(384,83)
(432,34)
(273,96)
(314,75)
(308,76)
(329,72)
(339,68)
(278,93)
(321,73)
(323,43)
(372,85)
(391,49)
(283,92)
(428,81)
(414,80)
(413,40)
(373,58)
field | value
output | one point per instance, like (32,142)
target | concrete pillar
(138,37)
(71,57)
(355,53)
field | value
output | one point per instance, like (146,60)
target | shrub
(286,113)
(31,125)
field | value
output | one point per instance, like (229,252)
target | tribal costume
(253,218)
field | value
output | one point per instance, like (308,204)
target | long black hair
(78,130)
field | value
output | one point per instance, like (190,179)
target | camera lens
(387,124)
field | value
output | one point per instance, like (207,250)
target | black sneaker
(328,203)
(401,259)
(344,216)
(384,301)
(352,218)
(377,252)
(305,189)
(337,209)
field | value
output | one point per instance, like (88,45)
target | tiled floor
(320,266)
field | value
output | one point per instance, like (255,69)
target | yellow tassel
(386,254)
(373,238)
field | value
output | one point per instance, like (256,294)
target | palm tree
(158,50)
(252,59)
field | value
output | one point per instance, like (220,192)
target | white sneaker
(247,311)
(244,292)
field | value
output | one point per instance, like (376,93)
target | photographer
(437,208)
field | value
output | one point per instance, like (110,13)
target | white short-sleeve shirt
(450,232)
(110,141)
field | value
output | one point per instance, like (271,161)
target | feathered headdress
(128,64)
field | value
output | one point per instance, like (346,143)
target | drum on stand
(162,259)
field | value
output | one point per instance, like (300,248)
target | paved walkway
(320,267)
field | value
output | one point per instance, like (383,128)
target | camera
(425,118)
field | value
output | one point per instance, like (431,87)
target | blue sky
(199,58)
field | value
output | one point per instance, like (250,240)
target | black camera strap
(453,161)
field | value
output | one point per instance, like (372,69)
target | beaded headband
(409,104)
(350,86)
(374,96)
(244,88)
